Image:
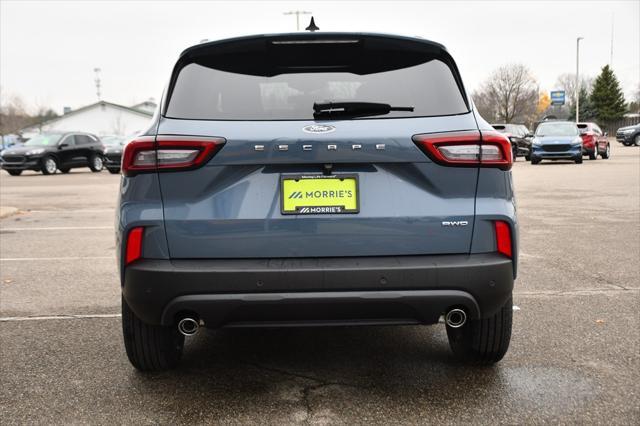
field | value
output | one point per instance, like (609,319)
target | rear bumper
(318,291)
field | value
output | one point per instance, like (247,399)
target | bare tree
(13,115)
(510,95)
(567,82)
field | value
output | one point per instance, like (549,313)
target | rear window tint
(229,89)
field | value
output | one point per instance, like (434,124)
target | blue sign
(557,97)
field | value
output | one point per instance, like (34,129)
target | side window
(69,140)
(83,140)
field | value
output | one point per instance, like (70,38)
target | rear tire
(535,161)
(150,347)
(636,140)
(579,160)
(49,165)
(607,153)
(594,155)
(14,172)
(95,163)
(484,341)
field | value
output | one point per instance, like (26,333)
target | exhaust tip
(188,326)
(455,318)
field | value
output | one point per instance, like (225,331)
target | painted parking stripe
(72,211)
(58,317)
(29,259)
(59,228)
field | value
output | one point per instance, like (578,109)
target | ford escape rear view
(316,179)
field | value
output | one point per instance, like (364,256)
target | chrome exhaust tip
(455,318)
(188,326)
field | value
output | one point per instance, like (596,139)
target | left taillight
(468,148)
(168,153)
(134,245)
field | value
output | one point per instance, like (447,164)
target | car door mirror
(63,145)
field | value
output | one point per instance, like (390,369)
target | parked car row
(557,140)
(62,151)
(553,140)
(629,135)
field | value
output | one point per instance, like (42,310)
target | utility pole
(297,13)
(611,52)
(578,78)
(97,81)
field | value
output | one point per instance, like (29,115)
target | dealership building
(101,118)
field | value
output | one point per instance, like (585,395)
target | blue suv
(556,140)
(316,179)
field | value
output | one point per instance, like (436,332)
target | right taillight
(469,148)
(168,153)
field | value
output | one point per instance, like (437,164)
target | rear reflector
(470,148)
(168,153)
(503,238)
(134,245)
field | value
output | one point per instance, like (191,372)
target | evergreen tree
(587,112)
(607,97)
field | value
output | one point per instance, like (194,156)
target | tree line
(14,115)
(511,94)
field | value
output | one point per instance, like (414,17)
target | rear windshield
(283,85)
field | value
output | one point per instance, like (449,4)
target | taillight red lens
(503,238)
(168,153)
(470,148)
(134,245)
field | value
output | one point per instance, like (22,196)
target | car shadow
(234,367)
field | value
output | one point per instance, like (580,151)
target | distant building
(146,106)
(101,118)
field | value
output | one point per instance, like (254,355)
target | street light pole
(577,90)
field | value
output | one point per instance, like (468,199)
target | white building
(147,106)
(101,118)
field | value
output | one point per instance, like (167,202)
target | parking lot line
(22,259)
(56,211)
(58,228)
(58,317)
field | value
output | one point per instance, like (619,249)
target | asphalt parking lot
(574,357)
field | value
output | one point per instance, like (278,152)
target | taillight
(134,245)
(469,148)
(168,153)
(503,238)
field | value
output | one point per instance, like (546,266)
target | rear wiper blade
(354,109)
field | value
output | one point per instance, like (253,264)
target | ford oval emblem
(318,128)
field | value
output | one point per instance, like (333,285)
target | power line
(297,13)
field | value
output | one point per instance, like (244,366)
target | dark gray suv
(311,180)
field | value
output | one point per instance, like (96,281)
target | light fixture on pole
(577,89)
(97,81)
